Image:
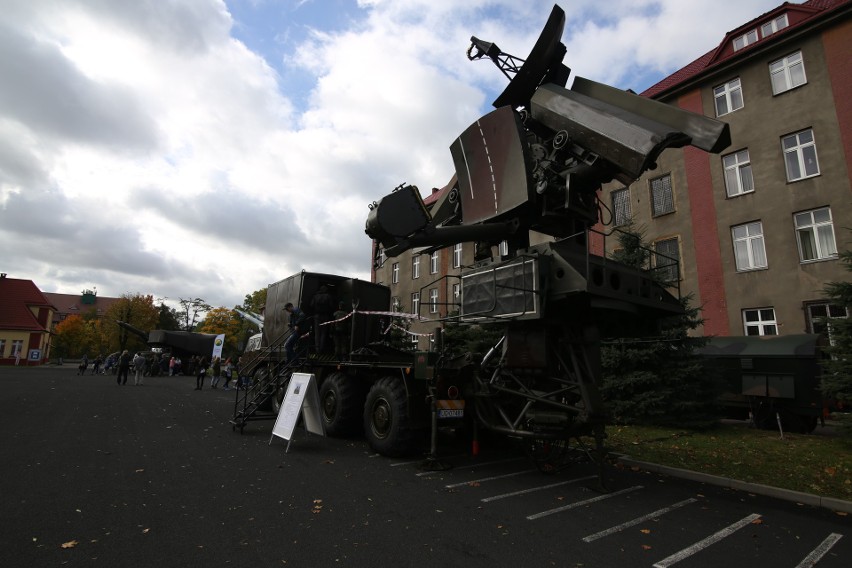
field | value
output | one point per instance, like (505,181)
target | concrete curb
(769,491)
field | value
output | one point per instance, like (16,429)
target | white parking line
(413,462)
(581,503)
(636,521)
(710,540)
(820,551)
(472,466)
(484,479)
(533,489)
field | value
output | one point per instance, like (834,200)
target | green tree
(255,302)
(658,380)
(223,320)
(168,318)
(191,309)
(837,375)
(137,310)
(72,337)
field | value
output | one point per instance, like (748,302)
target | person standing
(138,369)
(297,324)
(322,304)
(84,363)
(123,367)
(201,369)
(96,366)
(172,367)
(342,333)
(216,366)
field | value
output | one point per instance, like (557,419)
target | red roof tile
(798,16)
(16,298)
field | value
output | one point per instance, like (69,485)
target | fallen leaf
(70,544)
(757,522)
(841,513)
(831,470)
(645,531)
(145,531)
(646,547)
(474,484)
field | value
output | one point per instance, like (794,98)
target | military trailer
(535,164)
(770,378)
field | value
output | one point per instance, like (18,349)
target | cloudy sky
(206,148)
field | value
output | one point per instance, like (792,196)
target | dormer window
(747,38)
(773,26)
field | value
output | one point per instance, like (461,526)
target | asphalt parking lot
(97,474)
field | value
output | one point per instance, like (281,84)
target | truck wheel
(387,424)
(277,398)
(342,403)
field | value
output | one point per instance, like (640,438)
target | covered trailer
(770,377)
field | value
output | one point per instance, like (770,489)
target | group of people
(229,370)
(322,306)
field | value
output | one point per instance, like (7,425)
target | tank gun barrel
(251,316)
(132,329)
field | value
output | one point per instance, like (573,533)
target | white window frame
(817,226)
(738,173)
(658,184)
(17,348)
(731,94)
(382,257)
(787,73)
(763,321)
(747,38)
(749,246)
(433,301)
(415,267)
(457,255)
(621,214)
(433,262)
(798,151)
(456,291)
(667,271)
(2,347)
(395,303)
(395,273)
(821,323)
(774,26)
(415,302)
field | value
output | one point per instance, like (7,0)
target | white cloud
(143,148)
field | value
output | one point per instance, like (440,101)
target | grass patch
(821,465)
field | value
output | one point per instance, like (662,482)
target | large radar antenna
(543,65)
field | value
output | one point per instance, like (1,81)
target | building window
(457,255)
(770,28)
(17,348)
(456,292)
(800,155)
(666,260)
(738,178)
(395,304)
(621,214)
(433,263)
(415,266)
(787,73)
(433,301)
(382,258)
(3,346)
(819,316)
(747,38)
(760,322)
(729,97)
(415,302)
(662,199)
(749,247)
(815,233)
(395,273)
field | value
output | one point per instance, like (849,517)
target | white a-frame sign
(301,398)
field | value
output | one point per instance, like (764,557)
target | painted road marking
(484,479)
(820,551)
(533,489)
(636,521)
(710,540)
(581,503)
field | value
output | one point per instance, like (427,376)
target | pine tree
(837,375)
(660,380)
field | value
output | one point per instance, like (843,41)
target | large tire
(277,398)
(387,422)
(342,405)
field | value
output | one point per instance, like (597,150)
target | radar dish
(544,63)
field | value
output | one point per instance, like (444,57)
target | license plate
(451,413)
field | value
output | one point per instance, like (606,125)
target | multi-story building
(758,228)
(87,303)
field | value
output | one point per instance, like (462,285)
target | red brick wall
(708,258)
(836,42)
